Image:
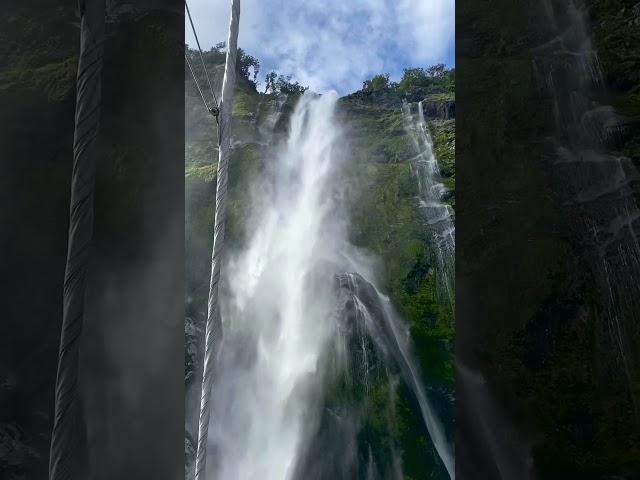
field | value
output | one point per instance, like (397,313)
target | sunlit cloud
(334,44)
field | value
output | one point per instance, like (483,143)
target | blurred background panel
(131,351)
(547,261)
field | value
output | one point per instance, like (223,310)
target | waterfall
(276,311)
(273,112)
(290,340)
(596,185)
(438,216)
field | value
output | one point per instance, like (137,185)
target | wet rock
(441,109)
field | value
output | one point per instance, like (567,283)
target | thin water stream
(438,216)
(598,184)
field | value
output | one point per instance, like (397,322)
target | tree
(433,79)
(246,62)
(377,83)
(270,82)
(436,71)
(275,83)
(413,77)
(284,85)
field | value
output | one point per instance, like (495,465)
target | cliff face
(441,107)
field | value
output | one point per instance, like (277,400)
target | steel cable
(204,67)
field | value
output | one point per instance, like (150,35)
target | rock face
(439,108)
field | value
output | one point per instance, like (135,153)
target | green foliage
(244,168)
(380,133)
(245,104)
(416,463)
(200,150)
(247,66)
(617,36)
(441,97)
(444,145)
(629,105)
(55,80)
(386,221)
(377,83)
(202,171)
(282,84)
(444,142)
(434,79)
(270,82)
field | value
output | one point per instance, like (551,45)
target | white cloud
(333,43)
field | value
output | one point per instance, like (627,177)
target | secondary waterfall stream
(596,182)
(305,336)
(438,216)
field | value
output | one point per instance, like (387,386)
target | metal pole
(213,312)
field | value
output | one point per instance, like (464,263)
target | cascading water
(597,185)
(375,312)
(276,315)
(304,342)
(439,217)
(272,115)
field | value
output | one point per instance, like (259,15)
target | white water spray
(277,317)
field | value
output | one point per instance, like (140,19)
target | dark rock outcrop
(439,108)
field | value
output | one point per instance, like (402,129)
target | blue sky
(333,44)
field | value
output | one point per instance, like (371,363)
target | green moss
(203,171)
(617,36)
(379,132)
(416,462)
(386,221)
(201,152)
(559,390)
(55,80)
(446,96)
(443,134)
(628,105)
(245,104)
